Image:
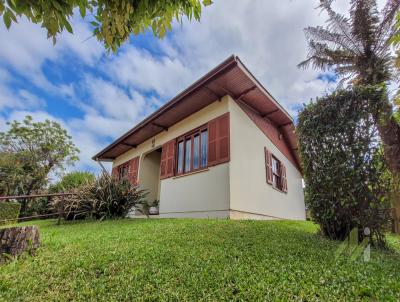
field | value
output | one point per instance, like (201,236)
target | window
(204,140)
(188,154)
(123,171)
(196,152)
(180,157)
(198,149)
(192,151)
(275,171)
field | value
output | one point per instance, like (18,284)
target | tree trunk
(389,130)
(17,240)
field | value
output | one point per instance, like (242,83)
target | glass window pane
(180,157)
(196,141)
(274,166)
(188,154)
(204,141)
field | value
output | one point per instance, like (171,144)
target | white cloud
(26,50)
(114,102)
(267,36)
(140,69)
(20,99)
(102,126)
(82,43)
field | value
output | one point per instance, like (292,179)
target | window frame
(279,177)
(121,169)
(185,137)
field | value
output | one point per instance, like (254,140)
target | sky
(97,96)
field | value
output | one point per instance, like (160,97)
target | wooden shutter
(283,177)
(218,140)
(167,160)
(133,170)
(268,165)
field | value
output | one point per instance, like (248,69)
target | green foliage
(38,206)
(356,47)
(195,260)
(113,20)
(106,197)
(29,152)
(72,181)
(9,212)
(347,182)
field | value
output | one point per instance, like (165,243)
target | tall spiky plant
(357,48)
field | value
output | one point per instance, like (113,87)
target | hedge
(9,212)
(347,182)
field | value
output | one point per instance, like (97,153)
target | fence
(60,204)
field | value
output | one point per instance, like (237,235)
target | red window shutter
(171,158)
(218,140)
(268,165)
(212,142)
(167,160)
(283,177)
(133,170)
(223,138)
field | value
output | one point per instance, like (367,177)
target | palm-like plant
(358,49)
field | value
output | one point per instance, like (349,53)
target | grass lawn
(193,260)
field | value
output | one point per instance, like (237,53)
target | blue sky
(97,96)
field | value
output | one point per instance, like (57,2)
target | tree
(71,181)
(113,20)
(358,49)
(347,182)
(31,151)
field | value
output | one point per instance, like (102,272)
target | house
(223,147)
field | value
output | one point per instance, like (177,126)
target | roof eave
(231,61)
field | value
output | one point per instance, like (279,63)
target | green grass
(193,260)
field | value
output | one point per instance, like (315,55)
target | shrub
(9,212)
(347,182)
(106,197)
(38,206)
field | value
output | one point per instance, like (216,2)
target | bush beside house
(106,197)
(347,182)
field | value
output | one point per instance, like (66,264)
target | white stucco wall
(150,176)
(249,191)
(204,194)
(237,189)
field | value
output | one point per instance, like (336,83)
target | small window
(192,151)
(276,173)
(123,171)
